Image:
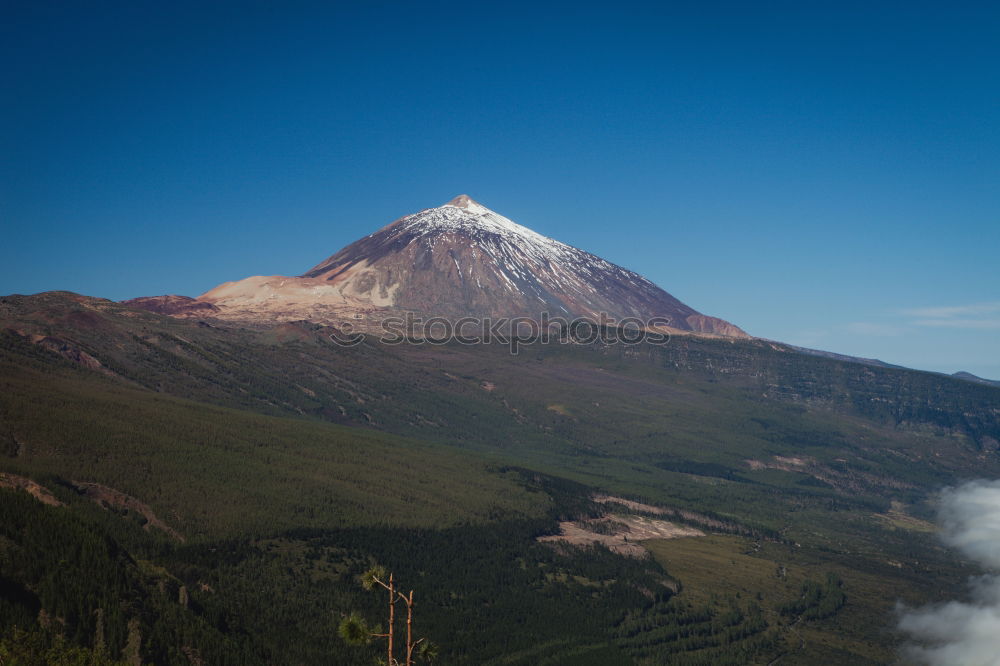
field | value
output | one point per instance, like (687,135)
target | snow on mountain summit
(464,213)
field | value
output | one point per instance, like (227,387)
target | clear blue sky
(822,173)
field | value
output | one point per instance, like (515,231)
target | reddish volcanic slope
(462,259)
(172,304)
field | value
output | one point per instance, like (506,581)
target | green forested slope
(288,465)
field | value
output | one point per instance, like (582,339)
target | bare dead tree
(354,630)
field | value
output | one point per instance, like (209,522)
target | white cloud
(970,520)
(963,633)
(959,323)
(973,316)
(870,328)
(955,310)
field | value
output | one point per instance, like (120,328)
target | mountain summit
(466,202)
(463,259)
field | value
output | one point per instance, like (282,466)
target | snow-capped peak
(516,249)
(464,215)
(462,258)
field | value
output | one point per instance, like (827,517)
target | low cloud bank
(963,633)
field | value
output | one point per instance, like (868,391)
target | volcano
(457,260)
